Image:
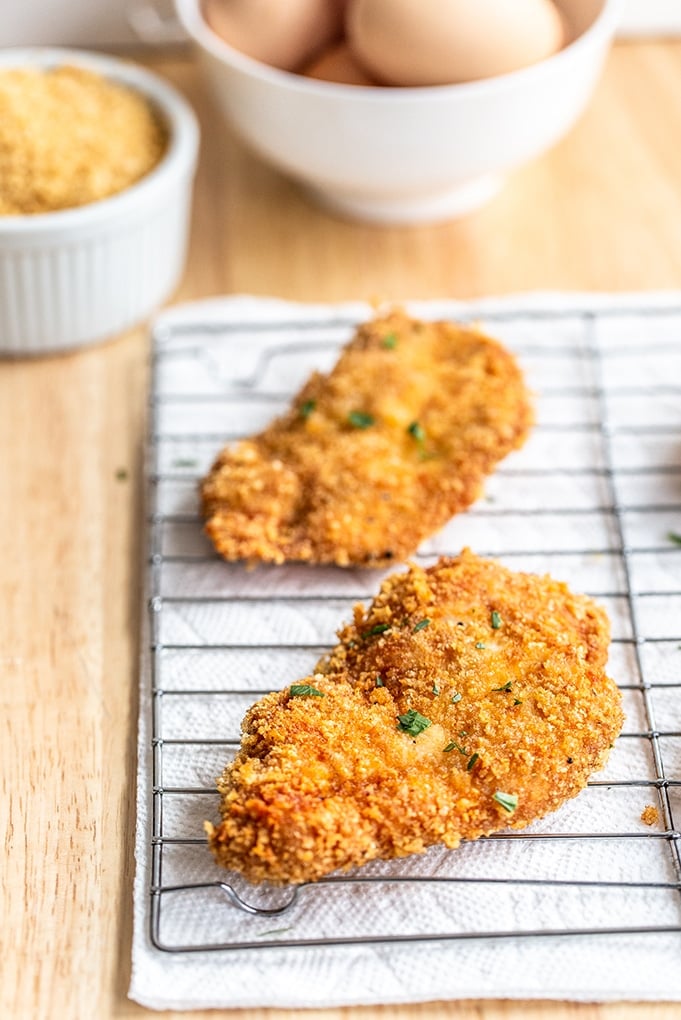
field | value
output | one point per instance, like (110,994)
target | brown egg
(437,42)
(337,64)
(284,33)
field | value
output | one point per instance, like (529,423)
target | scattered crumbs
(305,691)
(495,620)
(122,474)
(650,815)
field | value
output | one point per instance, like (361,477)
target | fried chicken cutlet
(465,699)
(375,456)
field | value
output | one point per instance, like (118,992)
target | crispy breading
(504,675)
(375,456)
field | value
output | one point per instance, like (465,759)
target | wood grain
(601,211)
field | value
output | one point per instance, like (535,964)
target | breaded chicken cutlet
(465,699)
(376,455)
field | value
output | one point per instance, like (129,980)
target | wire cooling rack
(594,498)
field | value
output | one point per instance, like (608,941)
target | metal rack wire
(602,481)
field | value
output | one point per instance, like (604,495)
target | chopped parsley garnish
(471,761)
(674,537)
(274,931)
(508,801)
(412,722)
(453,746)
(121,474)
(184,462)
(306,408)
(495,620)
(379,681)
(305,691)
(436,690)
(389,342)
(506,687)
(418,434)
(420,625)
(517,701)
(360,419)
(456,696)
(480,644)
(378,628)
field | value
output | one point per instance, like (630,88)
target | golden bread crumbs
(650,815)
(69,137)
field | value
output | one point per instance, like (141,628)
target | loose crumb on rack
(69,137)
(650,815)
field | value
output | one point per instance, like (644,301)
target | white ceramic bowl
(404,155)
(74,276)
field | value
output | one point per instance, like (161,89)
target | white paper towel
(599,474)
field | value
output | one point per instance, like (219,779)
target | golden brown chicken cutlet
(375,456)
(465,699)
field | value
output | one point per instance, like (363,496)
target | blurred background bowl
(406,155)
(75,276)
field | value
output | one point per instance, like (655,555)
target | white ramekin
(75,276)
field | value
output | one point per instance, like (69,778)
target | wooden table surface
(601,211)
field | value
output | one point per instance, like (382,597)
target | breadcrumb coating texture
(506,669)
(375,456)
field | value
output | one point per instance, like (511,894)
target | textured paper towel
(600,474)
